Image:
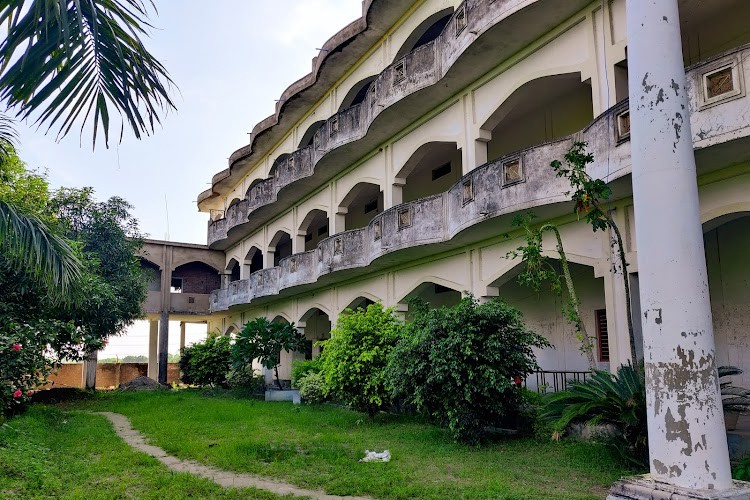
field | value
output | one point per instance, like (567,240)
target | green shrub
(355,357)
(312,388)
(207,362)
(607,398)
(457,365)
(264,340)
(302,368)
(244,377)
(741,470)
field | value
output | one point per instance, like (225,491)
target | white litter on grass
(374,456)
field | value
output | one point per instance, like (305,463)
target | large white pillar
(182,335)
(687,440)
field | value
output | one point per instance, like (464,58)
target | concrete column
(153,342)
(182,335)
(298,243)
(225,279)
(338,221)
(163,346)
(687,440)
(269,257)
(397,196)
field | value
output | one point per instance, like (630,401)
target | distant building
(394,169)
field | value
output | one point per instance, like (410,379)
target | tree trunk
(278,381)
(626,282)
(586,344)
(89,370)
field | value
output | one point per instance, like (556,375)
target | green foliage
(23,365)
(588,193)
(312,387)
(207,362)
(354,359)
(606,398)
(265,340)
(540,273)
(302,368)
(65,59)
(741,470)
(244,377)
(458,364)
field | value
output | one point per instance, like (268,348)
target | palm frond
(67,58)
(30,246)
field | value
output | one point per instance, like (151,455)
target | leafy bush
(741,471)
(355,357)
(264,340)
(312,387)
(207,362)
(302,368)
(457,365)
(607,398)
(23,365)
(244,377)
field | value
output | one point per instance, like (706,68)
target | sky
(229,60)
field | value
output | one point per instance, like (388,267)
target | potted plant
(735,400)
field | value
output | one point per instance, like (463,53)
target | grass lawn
(319,447)
(49,453)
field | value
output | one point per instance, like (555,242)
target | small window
(176,285)
(719,82)
(404,218)
(623,125)
(323,230)
(602,336)
(722,81)
(399,71)
(334,126)
(308,237)
(441,171)
(191,300)
(369,207)
(460,21)
(467,191)
(512,171)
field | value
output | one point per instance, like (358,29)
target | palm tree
(61,60)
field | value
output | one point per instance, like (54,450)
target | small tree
(540,272)
(459,365)
(355,357)
(264,340)
(589,194)
(207,362)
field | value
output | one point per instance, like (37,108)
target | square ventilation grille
(467,192)
(460,20)
(404,218)
(623,125)
(399,71)
(334,126)
(513,171)
(721,81)
(377,229)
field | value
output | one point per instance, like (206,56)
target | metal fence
(553,381)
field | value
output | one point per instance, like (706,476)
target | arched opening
(234,202)
(278,161)
(153,275)
(195,277)
(360,205)
(727,245)
(233,267)
(710,28)
(280,247)
(253,261)
(357,93)
(317,326)
(540,111)
(313,229)
(434,295)
(359,303)
(426,32)
(250,188)
(307,138)
(432,169)
(543,314)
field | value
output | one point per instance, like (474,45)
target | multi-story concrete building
(394,169)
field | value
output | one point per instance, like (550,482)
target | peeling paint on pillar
(687,440)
